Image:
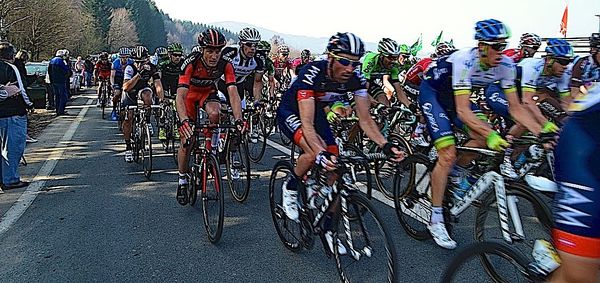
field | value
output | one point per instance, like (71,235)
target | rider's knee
(447,156)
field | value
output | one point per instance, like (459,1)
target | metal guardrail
(581,45)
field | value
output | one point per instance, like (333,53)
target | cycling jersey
(577,155)
(457,74)
(120,70)
(373,69)
(314,84)
(297,64)
(201,81)
(269,68)
(514,53)
(143,83)
(242,66)
(415,74)
(170,72)
(280,65)
(103,69)
(585,70)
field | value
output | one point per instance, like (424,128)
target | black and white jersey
(243,67)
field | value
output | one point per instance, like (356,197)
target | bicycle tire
(358,202)
(542,213)
(147,152)
(195,177)
(352,149)
(239,189)
(103,98)
(136,143)
(214,229)
(387,168)
(481,249)
(283,225)
(256,153)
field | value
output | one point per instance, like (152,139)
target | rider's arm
(272,85)
(531,105)
(159,89)
(306,108)
(366,122)
(258,86)
(183,86)
(129,80)
(112,77)
(402,97)
(520,114)
(234,97)
(466,115)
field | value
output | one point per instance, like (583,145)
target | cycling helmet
(559,48)
(249,34)
(264,46)
(530,40)
(103,55)
(388,47)
(211,38)
(491,29)
(139,53)
(124,52)
(283,49)
(595,40)
(305,53)
(175,48)
(444,48)
(347,43)
(404,49)
(196,48)
(60,53)
(160,51)
(114,57)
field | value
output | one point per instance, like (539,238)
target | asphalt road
(96,218)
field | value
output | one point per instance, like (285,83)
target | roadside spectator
(79,70)
(50,105)
(88,66)
(59,76)
(67,59)
(13,119)
(20,60)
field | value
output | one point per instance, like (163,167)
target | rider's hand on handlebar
(495,142)
(240,126)
(185,130)
(332,117)
(326,160)
(394,152)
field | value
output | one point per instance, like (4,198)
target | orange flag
(563,22)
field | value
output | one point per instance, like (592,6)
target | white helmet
(249,34)
(388,47)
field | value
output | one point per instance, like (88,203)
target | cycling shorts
(194,100)
(290,125)
(243,87)
(131,98)
(577,202)
(412,91)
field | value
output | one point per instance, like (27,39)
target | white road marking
(362,187)
(26,199)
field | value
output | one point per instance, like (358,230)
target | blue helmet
(347,43)
(557,47)
(491,29)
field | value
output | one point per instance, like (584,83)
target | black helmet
(347,43)
(139,53)
(211,38)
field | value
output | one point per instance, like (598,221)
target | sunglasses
(176,55)
(498,46)
(562,61)
(393,58)
(285,54)
(250,44)
(345,61)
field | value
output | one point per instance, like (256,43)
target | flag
(438,39)
(563,22)
(417,46)
(452,42)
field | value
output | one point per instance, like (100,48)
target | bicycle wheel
(360,168)
(212,199)
(103,98)
(146,152)
(289,231)
(136,144)
(371,255)
(412,195)
(466,267)
(257,140)
(195,177)
(385,170)
(237,166)
(533,214)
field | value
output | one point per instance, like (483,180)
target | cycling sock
(127,144)
(437,215)
(183,178)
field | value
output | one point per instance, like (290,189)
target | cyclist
(116,78)
(197,88)
(102,72)
(248,68)
(283,66)
(301,117)
(300,62)
(169,72)
(444,100)
(382,73)
(160,55)
(576,231)
(136,84)
(528,46)
(262,51)
(587,69)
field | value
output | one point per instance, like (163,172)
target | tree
(122,31)
(10,15)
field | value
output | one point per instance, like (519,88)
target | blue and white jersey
(532,76)
(120,68)
(461,71)
(313,83)
(588,97)
(585,71)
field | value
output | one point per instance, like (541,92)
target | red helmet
(530,40)
(211,38)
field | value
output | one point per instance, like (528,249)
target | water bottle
(521,159)
(461,187)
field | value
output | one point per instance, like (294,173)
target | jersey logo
(305,94)
(310,75)
(430,117)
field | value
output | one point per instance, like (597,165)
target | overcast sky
(400,19)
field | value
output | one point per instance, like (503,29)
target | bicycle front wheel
(371,255)
(289,231)
(257,140)
(466,267)
(212,199)
(386,170)
(147,152)
(238,170)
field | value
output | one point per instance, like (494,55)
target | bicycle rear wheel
(466,267)
(103,99)
(237,166)
(371,255)
(212,199)
(146,151)
(386,170)
(195,177)
(257,140)
(289,231)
